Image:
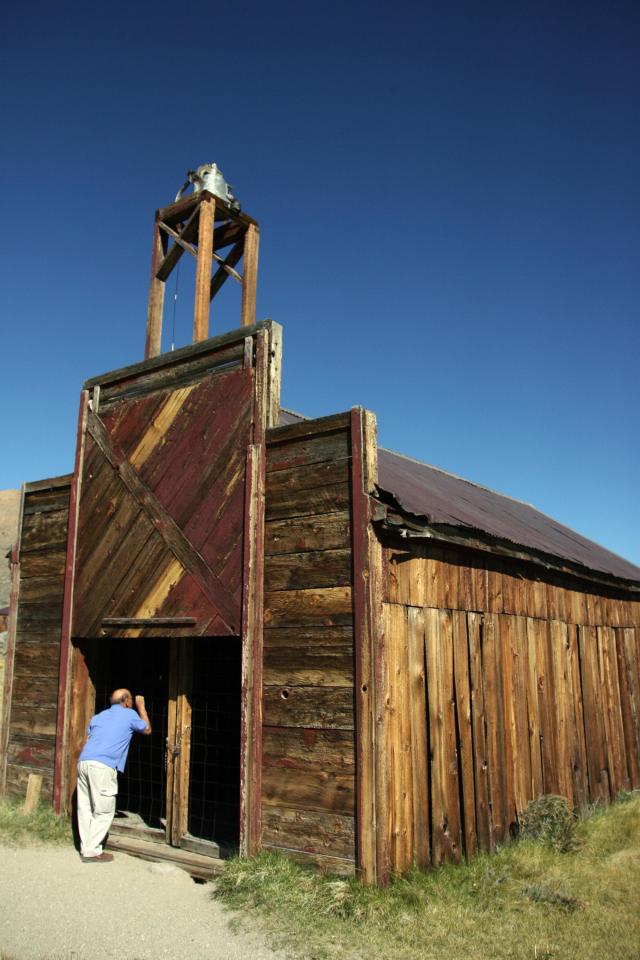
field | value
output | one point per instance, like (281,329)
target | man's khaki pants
(97,790)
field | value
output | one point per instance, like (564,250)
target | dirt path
(54,906)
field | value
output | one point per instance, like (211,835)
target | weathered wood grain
(304,748)
(18,778)
(33,752)
(593,714)
(319,635)
(313,447)
(506,709)
(321,707)
(326,568)
(522,774)
(494,724)
(332,498)
(301,534)
(329,606)
(533,714)
(325,833)
(250,276)
(315,666)
(33,719)
(333,866)
(562,707)
(613,724)
(331,791)
(484,831)
(419,737)
(578,758)
(310,476)
(629,677)
(43,563)
(36,659)
(462,682)
(45,531)
(445,809)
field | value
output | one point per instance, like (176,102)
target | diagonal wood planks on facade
(161,509)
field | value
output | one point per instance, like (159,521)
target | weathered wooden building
(347,655)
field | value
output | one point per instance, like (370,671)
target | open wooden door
(179,740)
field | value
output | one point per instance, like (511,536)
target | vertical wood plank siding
(503,686)
(33,687)
(308,772)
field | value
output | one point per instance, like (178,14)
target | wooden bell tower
(202,224)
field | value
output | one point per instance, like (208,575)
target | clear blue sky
(449,201)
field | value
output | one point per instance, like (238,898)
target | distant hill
(9,507)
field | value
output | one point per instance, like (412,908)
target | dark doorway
(143,667)
(204,674)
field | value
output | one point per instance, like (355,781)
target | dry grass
(529,901)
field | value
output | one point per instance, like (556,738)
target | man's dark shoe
(101,858)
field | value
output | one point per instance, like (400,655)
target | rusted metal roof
(442,498)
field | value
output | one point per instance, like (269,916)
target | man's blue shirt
(110,734)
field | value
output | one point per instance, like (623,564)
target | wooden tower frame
(201,224)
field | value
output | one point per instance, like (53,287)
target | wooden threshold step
(204,868)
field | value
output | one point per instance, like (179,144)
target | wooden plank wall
(308,769)
(504,687)
(33,688)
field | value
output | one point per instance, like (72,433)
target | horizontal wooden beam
(177,356)
(50,484)
(176,212)
(227,234)
(294,431)
(149,622)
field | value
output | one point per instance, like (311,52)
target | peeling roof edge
(463,536)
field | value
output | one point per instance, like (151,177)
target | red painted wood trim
(10,651)
(60,771)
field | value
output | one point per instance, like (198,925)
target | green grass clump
(528,901)
(41,826)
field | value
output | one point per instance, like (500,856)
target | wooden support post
(252,642)
(179,741)
(156,298)
(203,268)
(371,780)
(61,764)
(250,276)
(34,787)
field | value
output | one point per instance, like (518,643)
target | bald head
(122,696)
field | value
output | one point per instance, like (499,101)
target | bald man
(104,753)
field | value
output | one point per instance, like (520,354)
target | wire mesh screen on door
(143,667)
(214,786)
